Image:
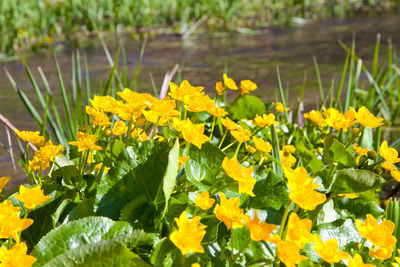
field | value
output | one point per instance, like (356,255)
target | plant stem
(284,217)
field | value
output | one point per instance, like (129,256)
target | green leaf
(77,233)
(138,171)
(360,207)
(204,165)
(171,172)
(81,210)
(162,248)
(246,107)
(337,152)
(103,253)
(355,181)
(270,192)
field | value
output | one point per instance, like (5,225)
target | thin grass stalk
(111,75)
(137,66)
(282,95)
(67,111)
(321,90)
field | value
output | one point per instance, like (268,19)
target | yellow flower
(388,153)
(16,256)
(119,128)
(189,234)
(240,174)
(279,107)
(98,166)
(360,151)
(85,142)
(192,133)
(10,222)
(219,87)
(46,154)
(340,121)
(241,135)
(105,103)
(246,86)
(217,111)
(229,212)
(140,134)
(387,166)
(229,124)
(204,201)
(33,137)
(31,196)
(3,181)
(301,189)
(265,120)
(316,117)
(288,149)
(298,231)
(230,83)
(261,145)
(357,261)
(287,159)
(395,173)
(195,265)
(199,103)
(378,234)
(289,253)
(250,149)
(99,118)
(329,250)
(184,90)
(365,118)
(259,230)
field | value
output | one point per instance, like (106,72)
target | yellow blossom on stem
(387,166)
(219,87)
(99,118)
(365,118)
(250,149)
(279,107)
(31,197)
(230,83)
(3,181)
(241,135)
(261,145)
(16,256)
(357,261)
(329,250)
(360,151)
(85,142)
(229,212)
(104,103)
(185,89)
(142,134)
(229,124)
(10,222)
(32,137)
(217,112)
(119,128)
(316,117)
(240,174)
(298,231)
(246,86)
(381,235)
(289,253)
(388,153)
(192,133)
(302,189)
(189,235)
(204,201)
(349,195)
(199,103)
(395,173)
(340,121)
(259,230)
(265,120)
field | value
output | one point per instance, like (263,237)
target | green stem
(242,248)
(232,244)
(212,129)
(223,139)
(228,146)
(261,161)
(237,150)
(224,186)
(284,217)
(362,245)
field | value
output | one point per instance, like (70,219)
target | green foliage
(355,181)
(246,107)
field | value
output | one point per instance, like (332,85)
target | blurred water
(203,59)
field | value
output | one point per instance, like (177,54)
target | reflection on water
(204,59)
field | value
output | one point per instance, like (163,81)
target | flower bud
(371,154)
(355,131)
(107,132)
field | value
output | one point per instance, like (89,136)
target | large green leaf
(77,233)
(246,107)
(139,170)
(102,253)
(204,165)
(171,172)
(355,181)
(359,207)
(337,152)
(270,192)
